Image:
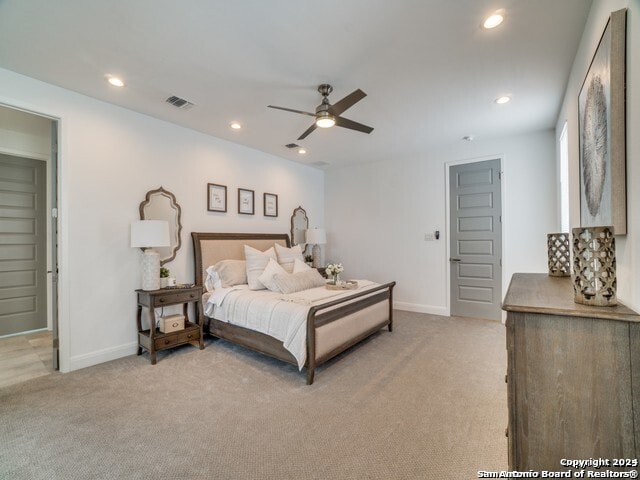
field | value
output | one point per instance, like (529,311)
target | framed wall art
(246,201)
(216,197)
(601,125)
(270,205)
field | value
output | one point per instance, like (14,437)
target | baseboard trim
(418,308)
(101,356)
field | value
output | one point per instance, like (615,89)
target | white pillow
(226,273)
(256,263)
(273,268)
(294,282)
(300,266)
(287,256)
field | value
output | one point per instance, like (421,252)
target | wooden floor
(23,357)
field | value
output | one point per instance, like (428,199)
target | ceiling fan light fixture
(494,20)
(325,120)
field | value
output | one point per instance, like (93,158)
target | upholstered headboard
(210,248)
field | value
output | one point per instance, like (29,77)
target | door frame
(61,317)
(447,169)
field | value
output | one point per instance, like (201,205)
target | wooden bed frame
(331,328)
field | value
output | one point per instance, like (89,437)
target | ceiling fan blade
(307,131)
(347,102)
(343,122)
(292,110)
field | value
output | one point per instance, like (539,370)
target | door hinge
(500,262)
(54,213)
(56,343)
(500,175)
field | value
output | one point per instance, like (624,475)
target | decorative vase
(559,256)
(163,282)
(336,279)
(594,266)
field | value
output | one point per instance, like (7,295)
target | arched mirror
(161,204)
(299,225)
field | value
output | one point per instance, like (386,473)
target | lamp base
(150,270)
(315,251)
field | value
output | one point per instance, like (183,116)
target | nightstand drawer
(189,336)
(171,299)
(166,341)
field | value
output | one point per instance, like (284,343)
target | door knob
(451,259)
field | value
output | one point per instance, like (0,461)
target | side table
(153,340)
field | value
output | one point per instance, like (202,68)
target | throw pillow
(295,282)
(273,268)
(287,256)
(256,263)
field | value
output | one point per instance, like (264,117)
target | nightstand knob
(166,342)
(193,295)
(161,300)
(189,336)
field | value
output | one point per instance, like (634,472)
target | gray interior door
(23,240)
(476,240)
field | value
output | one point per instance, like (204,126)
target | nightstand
(322,271)
(153,340)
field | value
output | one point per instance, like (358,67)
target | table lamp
(147,234)
(316,237)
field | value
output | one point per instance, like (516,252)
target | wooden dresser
(573,376)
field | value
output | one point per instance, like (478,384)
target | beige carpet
(427,401)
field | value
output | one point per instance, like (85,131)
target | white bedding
(272,313)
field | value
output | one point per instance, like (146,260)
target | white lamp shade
(316,236)
(150,233)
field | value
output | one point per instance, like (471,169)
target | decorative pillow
(273,268)
(294,282)
(256,263)
(300,266)
(226,273)
(287,256)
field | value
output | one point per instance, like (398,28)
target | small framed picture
(270,205)
(246,201)
(216,197)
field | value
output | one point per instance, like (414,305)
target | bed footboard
(335,326)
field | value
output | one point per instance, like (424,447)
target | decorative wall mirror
(299,226)
(161,204)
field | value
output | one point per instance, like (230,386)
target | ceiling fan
(328,115)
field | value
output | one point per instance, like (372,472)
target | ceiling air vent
(178,102)
(320,164)
(292,145)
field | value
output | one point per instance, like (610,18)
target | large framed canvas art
(601,124)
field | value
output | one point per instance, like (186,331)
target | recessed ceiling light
(115,81)
(235,125)
(502,100)
(468,138)
(493,21)
(302,151)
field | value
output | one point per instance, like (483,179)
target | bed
(331,325)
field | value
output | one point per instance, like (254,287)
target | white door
(475,239)
(23,240)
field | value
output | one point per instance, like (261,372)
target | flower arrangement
(334,270)
(164,272)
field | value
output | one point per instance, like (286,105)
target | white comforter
(275,314)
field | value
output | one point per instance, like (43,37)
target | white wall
(377,215)
(627,246)
(109,158)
